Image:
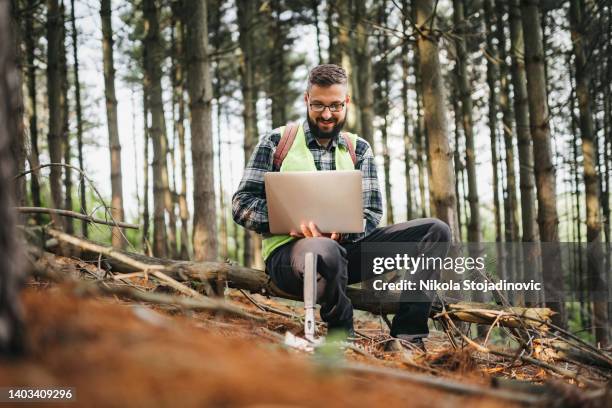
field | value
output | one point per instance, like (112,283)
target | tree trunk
(146,247)
(199,88)
(153,61)
(315,14)
(456,153)
(246,15)
(278,88)
(539,116)
(524,144)
(406,113)
(334,53)
(79,115)
(363,61)
(30,45)
(54,137)
(111,117)
(440,155)
(178,84)
(346,58)
(466,114)
(383,110)
(419,131)
(595,256)
(67,155)
(12,340)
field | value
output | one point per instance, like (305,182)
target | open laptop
(331,199)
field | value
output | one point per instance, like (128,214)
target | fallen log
(256,281)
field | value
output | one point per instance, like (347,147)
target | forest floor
(117,353)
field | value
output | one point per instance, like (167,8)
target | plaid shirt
(249,207)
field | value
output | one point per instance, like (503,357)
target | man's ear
(347,99)
(306,97)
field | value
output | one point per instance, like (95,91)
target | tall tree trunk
(278,89)
(246,15)
(406,113)
(434,100)
(315,14)
(524,145)
(67,155)
(456,153)
(419,131)
(178,84)
(30,45)
(595,257)
(146,247)
(334,53)
(383,47)
(514,265)
(111,117)
(199,88)
(466,114)
(346,57)
(54,137)
(363,61)
(12,341)
(79,114)
(544,169)
(157,130)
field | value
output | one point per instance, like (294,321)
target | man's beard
(319,134)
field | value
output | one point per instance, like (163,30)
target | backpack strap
(285,144)
(351,148)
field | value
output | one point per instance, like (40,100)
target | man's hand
(311,230)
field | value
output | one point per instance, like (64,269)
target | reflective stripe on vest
(299,158)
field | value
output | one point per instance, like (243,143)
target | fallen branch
(257,281)
(73,214)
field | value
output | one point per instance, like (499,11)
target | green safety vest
(299,158)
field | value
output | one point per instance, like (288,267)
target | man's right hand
(311,230)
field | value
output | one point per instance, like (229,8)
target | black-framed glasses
(334,107)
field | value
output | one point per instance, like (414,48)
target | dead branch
(67,213)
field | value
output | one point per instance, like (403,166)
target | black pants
(339,264)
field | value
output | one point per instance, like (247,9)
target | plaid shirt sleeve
(249,207)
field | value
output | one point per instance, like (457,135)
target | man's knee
(329,253)
(440,230)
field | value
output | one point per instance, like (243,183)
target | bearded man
(320,143)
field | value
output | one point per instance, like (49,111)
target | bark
(18,139)
(30,46)
(157,131)
(383,46)
(65,108)
(419,131)
(465,92)
(12,341)
(79,114)
(246,16)
(278,88)
(514,266)
(54,137)
(178,84)
(406,113)
(595,256)
(363,60)
(523,133)
(199,88)
(440,155)
(145,195)
(347,59)
(111,118)
(456,154)
(539,116)
(315,14)
(334,53)
(217,84)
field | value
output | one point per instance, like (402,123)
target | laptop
(331,199)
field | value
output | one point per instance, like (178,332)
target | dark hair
(327,75)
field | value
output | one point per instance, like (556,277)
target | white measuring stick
(310,295)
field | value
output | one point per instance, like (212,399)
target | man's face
(326,124)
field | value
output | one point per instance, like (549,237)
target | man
(338,255)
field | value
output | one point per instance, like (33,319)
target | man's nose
(326,114)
